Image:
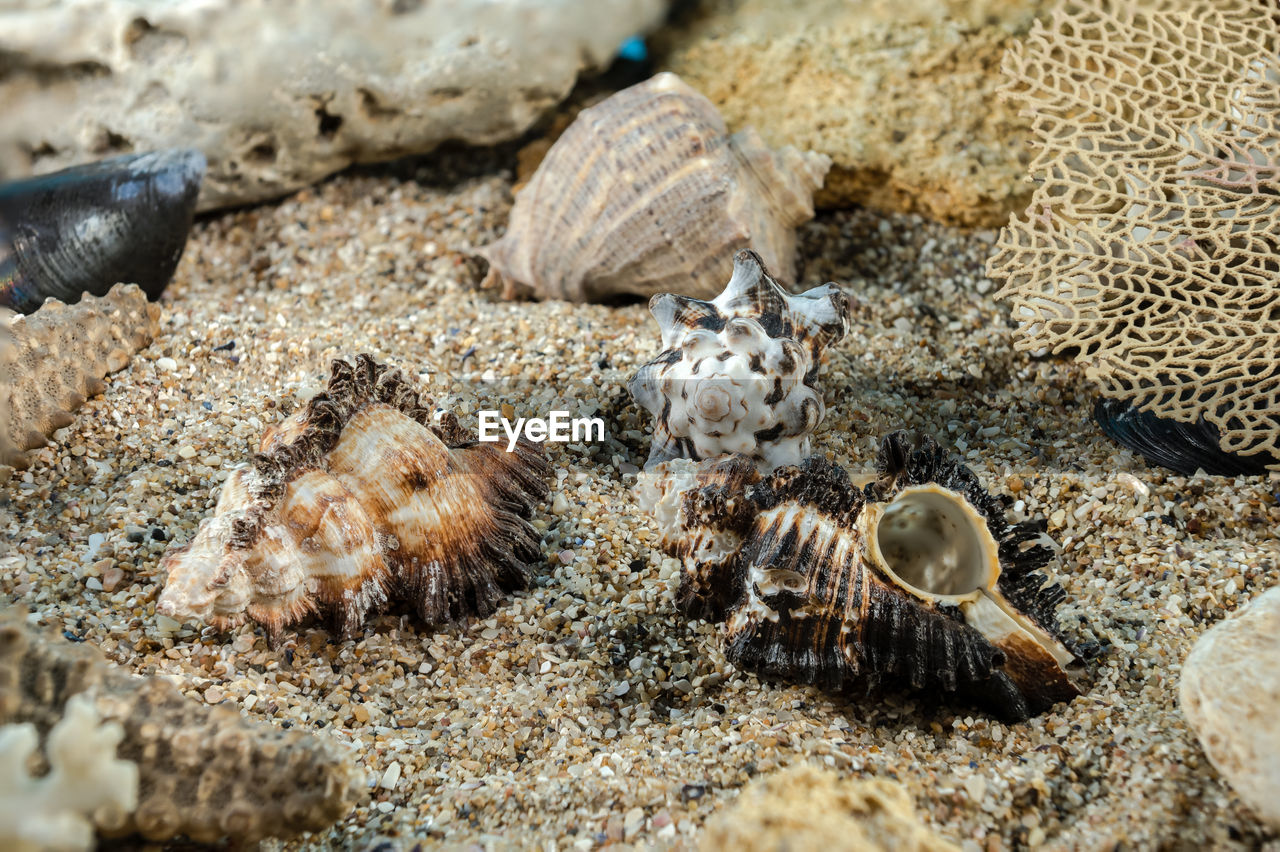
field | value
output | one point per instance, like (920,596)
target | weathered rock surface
(807,808)
(901,96)
(279,95)
(1230,693)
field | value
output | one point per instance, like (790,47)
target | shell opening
(933,541)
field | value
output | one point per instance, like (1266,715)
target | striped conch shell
(53,360)
(362,497)
(646,193)
(915,580)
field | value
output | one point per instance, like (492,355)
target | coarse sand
(587,711)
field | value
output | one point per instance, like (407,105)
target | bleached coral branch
(86,781)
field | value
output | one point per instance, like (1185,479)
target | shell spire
(915,580)
(646,192)
(362,497)
(739,374)
(56,358)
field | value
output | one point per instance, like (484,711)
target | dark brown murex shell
(363,496)
(915,580)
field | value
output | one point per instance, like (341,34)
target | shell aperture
(915,580)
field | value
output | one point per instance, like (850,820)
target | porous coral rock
(807,808)
(86,782)
(203,772)
(901,96)
(1149,248)
(57,357)
(278,95)
(1230,693)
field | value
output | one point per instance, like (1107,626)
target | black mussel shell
(1181,447)
(88,228)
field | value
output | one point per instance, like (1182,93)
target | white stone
(1230,694)
(278,95)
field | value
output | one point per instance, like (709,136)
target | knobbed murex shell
(915,580)
(56,358)
(646,193)
(359,498)
(739,374)
(87,228)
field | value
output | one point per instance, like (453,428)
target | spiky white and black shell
(739,374)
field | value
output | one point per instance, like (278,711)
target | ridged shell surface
(83,229)
(915,580)
(205,773)
(362,497)
(55,359)
(739,374)
(646,193)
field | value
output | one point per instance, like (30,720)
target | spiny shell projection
(739,374)
(358,498)
(83,229)
(204,772)
(1149,249)
(56,358)
(647,193)
(915,580)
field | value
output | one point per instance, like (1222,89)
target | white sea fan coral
(1152,244)
(85,782)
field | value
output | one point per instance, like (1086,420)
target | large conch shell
(361,497)
(739,374)
(83,229)
(916,580)
(647,193)
(56,358)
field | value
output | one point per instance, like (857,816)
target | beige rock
(278,95)
(901,96)
(807,808)
(1230,693)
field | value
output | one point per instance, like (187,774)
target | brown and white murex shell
(646,193)
(915,580)
(362,497)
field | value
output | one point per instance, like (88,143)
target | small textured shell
(739,374)
(56,358)
(915,580)
(359,498)
(646,193)
(205,773)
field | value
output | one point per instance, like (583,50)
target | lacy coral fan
(360,497)
(1152,244)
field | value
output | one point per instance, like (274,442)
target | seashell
(1181,447)
(915,579)
(647,193)
(203,772)
(84,229)
(739,374)
(56,358)
(358,499)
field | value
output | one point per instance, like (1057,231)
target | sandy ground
(588,711)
